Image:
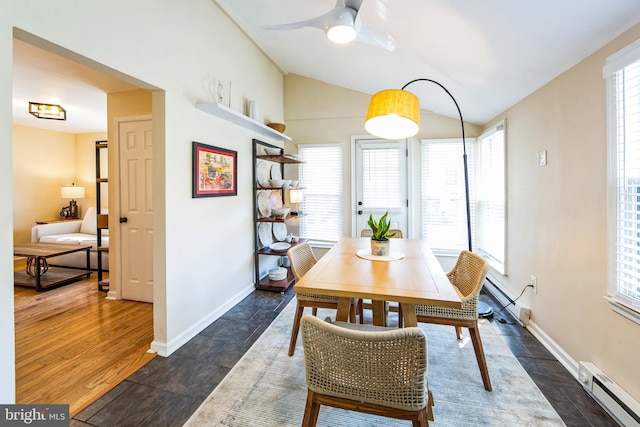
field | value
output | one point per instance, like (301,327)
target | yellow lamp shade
(393,114)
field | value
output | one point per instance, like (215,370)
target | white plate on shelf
(264,233)
(276,199)
(262,172)
(264,204)
(276,173)
(279,231)
(280,246)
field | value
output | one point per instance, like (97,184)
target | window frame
(630,55)
(474,167)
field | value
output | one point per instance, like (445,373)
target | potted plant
(380,238)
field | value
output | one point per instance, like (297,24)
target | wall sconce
(47,111)
(71,192)
(295,196)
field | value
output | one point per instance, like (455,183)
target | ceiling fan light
(393,114)
(341,34)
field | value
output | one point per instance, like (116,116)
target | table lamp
(295,196)
(71,192)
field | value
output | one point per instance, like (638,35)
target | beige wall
(557,218)
(317,112)
(43,161)
(176,55)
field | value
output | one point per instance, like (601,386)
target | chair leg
(352,311)
(295,328)
(314,311)
(422,420)
(482,362)
(458,332)
(400,318)
(361,310)
(311,411)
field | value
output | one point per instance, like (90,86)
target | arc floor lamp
(395,114)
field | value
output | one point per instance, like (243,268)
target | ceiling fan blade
(353,4)
(376,38)
(318,22)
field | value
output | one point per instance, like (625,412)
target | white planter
(380,247)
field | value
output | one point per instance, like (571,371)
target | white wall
(203,249)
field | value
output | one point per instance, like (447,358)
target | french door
(380,182)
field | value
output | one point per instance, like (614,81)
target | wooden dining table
(411,275)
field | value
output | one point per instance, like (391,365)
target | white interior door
(381,182)
(136,210)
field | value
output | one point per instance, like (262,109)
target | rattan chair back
(469,273)
(382,368)
(301,258)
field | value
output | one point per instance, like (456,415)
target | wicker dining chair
(467,276)
(302,259)
(380,372)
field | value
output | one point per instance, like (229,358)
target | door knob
(359,212)
(359,203)
(123,219)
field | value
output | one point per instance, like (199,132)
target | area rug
(267,387)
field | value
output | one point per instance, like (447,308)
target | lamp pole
(464,155)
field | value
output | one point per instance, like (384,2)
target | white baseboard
(164,349)
(563,357)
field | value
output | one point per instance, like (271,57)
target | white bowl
(286,183)
(280,211)
(278,273)
(276,183)
(272,151)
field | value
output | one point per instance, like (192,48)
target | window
(489,203)
(321,177)
(444,217)
(622,72)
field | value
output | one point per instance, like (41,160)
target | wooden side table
(51,221)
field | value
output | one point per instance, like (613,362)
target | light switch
(542,158)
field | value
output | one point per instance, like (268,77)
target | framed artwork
(215,171)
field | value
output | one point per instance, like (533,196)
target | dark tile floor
(166,391)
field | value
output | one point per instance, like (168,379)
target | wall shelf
(226,113)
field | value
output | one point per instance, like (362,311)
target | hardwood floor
(73,345)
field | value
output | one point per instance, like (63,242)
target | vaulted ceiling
(489,54)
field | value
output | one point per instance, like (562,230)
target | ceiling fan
(342,25)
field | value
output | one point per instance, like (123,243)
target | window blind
(490,196)
(321,177)
(382,177)
(623,90)
(444,217)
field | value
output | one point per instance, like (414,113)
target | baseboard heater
(520,313)
(617,402)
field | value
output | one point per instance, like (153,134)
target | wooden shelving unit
(103,219)
(264,282)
